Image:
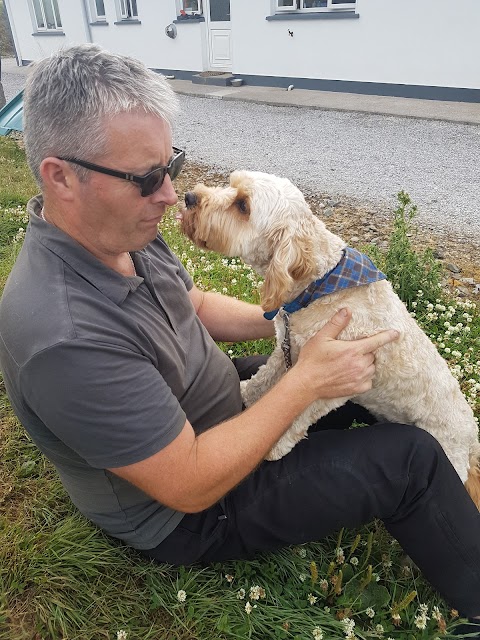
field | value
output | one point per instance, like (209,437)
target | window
(191,6)
(314,5)
(128,9)
(47,15)
(97,9)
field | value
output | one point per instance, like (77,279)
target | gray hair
(70,95)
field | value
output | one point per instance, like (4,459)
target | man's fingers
(372,343)
(336,324)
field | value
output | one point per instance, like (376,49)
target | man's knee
(413,443)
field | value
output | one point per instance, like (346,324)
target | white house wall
(146,41)
(407,42)
(415,42)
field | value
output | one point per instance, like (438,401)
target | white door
(217,16)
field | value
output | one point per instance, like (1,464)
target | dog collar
(354,270)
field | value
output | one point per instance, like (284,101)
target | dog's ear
(292,261)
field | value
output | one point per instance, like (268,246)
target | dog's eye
(242,205)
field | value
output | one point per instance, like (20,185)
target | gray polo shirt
(103,370)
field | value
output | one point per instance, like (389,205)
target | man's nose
(166,193)
(190,199)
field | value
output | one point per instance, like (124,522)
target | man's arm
(192,473)
(229,319)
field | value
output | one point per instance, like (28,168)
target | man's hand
(339,368)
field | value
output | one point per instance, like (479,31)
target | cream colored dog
(265,220)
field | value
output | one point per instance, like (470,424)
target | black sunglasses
(150,182)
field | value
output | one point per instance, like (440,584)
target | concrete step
(213,78)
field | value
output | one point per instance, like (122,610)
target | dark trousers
(342,477)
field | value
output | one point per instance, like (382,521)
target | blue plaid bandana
(354,270)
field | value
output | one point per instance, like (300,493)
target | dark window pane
(57,13)
(100,7)
(191,5)
(219,10)
(38,14)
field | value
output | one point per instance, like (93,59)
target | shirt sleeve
(109,404)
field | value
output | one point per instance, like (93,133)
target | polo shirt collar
(112,284)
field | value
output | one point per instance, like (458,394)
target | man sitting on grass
(108,355)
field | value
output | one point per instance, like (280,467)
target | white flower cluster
(181,595)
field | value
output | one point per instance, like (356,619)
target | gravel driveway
(355,157)
(350,156)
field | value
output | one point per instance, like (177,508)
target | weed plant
(60,577)
(7,49)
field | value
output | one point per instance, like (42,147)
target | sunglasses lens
(176,166)
(153,182)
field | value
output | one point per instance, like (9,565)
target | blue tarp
(11,115)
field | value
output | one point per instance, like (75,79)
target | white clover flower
(323,584)
(249,608)
(241,594)
(181,595)
(257,592)
(354,561)
(348,626)
(302,577)
(122,635)
(421,621)
(228,576)
(436,615)
(379,629)
(370,612)
(317,633)
(311,598)
(302,552)
(326,609)
(340,556)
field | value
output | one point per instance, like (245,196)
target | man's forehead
(142,139)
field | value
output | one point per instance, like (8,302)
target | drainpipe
(86,20)
(13,32)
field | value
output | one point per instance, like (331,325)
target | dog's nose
(190,199)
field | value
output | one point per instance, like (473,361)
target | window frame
(297,6)
(56,15)
(124,6)
(190,12)
(94,15)
(293,7)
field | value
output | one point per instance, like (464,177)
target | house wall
(432,42)
(146,41)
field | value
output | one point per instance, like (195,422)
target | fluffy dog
(265,220)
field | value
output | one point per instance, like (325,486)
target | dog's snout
(190,199)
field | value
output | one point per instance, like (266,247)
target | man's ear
(58,178)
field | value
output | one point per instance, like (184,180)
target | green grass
(60,577)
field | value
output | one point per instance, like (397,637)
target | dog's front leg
(265,378)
